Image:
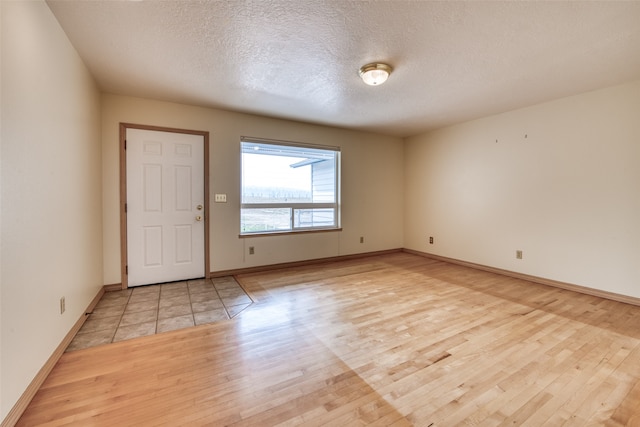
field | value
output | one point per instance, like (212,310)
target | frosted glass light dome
(375,74)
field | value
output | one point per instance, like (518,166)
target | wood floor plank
(391,340)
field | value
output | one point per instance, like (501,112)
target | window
(288,187)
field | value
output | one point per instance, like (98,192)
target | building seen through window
(288,187)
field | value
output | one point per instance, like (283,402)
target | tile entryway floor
(146,310)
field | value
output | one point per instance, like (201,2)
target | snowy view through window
(287,188)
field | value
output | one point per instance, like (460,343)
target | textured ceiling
(299,60)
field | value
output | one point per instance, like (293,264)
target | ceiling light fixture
(375,74)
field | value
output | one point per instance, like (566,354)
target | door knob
(198,218)
(199,207)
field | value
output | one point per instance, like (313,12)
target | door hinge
(126,269)
(125,144)
(125,208)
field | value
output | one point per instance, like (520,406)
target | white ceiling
(299,60)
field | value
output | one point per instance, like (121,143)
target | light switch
(221,198)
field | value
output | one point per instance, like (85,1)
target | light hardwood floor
(393,340)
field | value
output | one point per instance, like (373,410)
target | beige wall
(51,192)
(560,181)
(372,180)
(2,411)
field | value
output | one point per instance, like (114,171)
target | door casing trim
(123,194)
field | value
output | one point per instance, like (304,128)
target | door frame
(123,194)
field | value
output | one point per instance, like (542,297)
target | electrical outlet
(252,250)
(62,305)
(431,240)
(519,254)
(361,239)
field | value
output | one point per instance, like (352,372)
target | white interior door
(165,206)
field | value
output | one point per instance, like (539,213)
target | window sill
(280,233)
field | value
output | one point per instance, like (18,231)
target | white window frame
(294,207)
